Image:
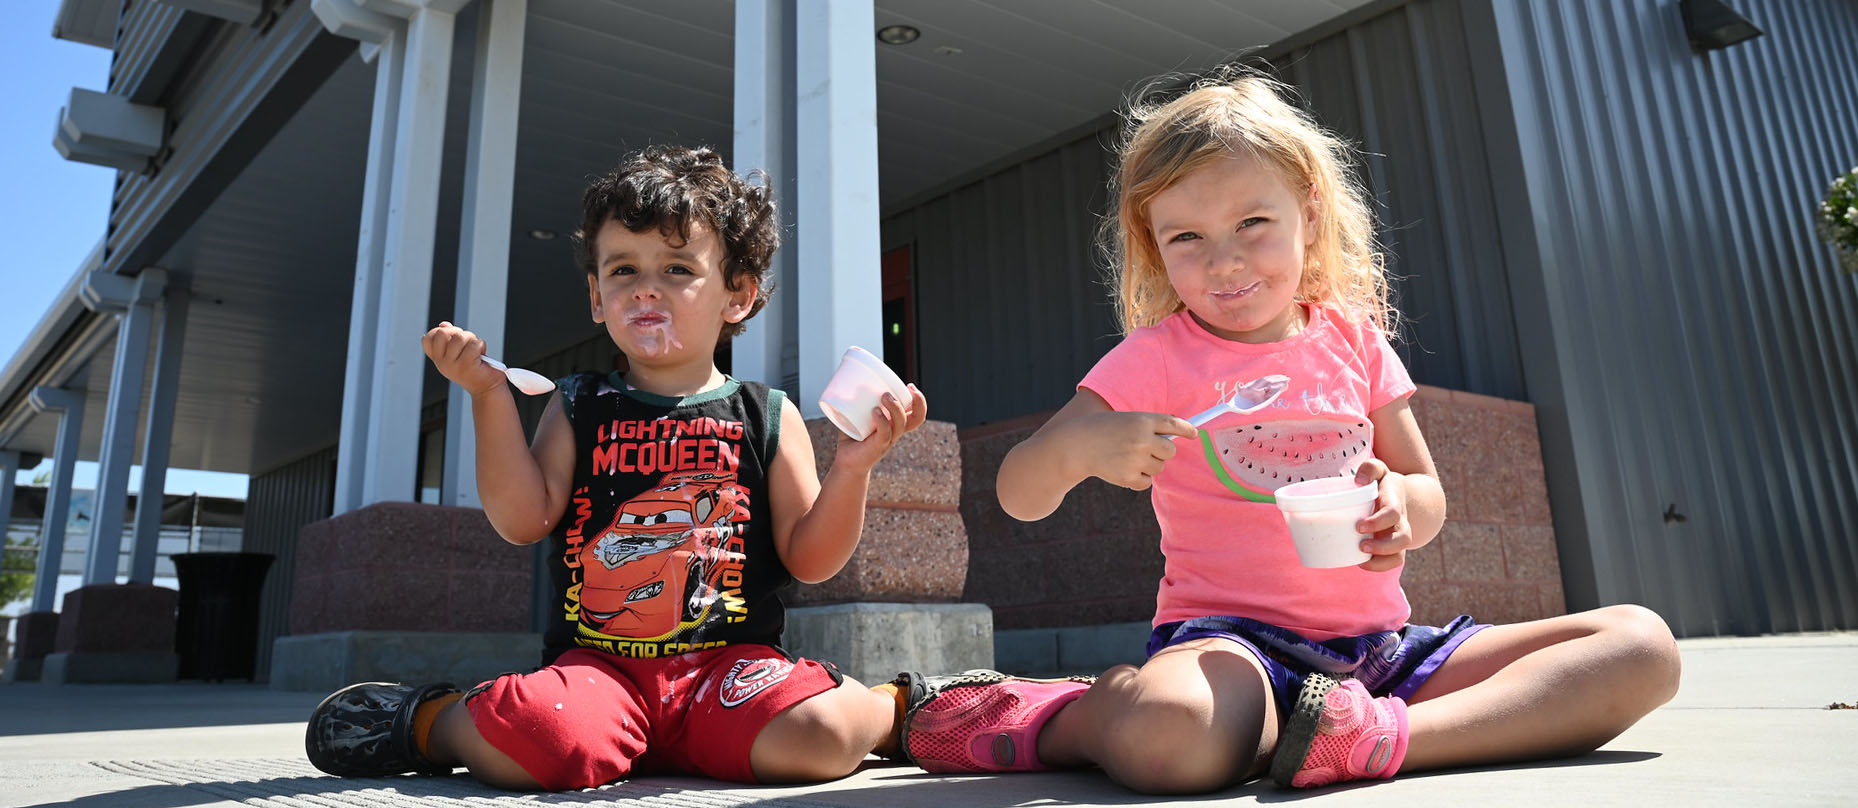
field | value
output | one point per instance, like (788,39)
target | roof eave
(91,22)
(65,312)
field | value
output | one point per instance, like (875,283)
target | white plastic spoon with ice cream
(1249,397)
(528,381)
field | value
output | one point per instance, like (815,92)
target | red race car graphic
(657,567)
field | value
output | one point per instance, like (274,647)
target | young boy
(677,502)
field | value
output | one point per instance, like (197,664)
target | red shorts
(592,718)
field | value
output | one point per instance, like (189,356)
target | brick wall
(1495,557)
(1097,559)
(407,566)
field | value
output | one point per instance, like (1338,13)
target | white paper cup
(1322,516)
(852,395)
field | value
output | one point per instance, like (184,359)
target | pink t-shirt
(1228,555)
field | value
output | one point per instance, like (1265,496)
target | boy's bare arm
(817,526)
(1085,439)
(523,490)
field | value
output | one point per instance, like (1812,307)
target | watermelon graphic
(1256,459)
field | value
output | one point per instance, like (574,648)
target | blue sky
(52,211)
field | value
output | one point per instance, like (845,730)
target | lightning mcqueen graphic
(660,562)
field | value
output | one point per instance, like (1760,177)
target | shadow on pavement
(905,787)
(1600,758)
(35,709)
(910,787)
(149,796)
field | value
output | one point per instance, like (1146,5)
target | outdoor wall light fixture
(897,34)
(540,234)
(1713,25)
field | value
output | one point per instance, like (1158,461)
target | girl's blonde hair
(1246,114)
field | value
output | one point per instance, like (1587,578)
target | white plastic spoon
(528,381)
(1248,397)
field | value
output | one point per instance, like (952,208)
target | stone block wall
(1495,558)
(914,548)
(406,566)
(1097,559)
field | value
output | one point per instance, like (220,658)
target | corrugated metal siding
(1399,86)
(142,31)
(155,41)
(277,504)
(1009,307)
(1696,343)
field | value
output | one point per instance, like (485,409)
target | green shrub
(1838,219)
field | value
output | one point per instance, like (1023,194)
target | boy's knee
(823,738)
(456,734)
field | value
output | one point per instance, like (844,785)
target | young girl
(1245,249)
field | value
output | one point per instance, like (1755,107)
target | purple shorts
(1388,663)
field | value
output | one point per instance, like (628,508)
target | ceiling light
(542,234)
(897,34)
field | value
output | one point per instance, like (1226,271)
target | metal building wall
(277,504)
(1010,309)
(1399,87)
(1009,302)
(1688,342)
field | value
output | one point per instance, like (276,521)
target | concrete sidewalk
(1750,726)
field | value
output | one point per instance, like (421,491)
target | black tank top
(667,546)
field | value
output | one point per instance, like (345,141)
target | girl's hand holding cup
(1386,532)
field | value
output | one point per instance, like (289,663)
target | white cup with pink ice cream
(1322,514)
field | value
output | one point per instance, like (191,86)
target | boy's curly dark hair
(668,187)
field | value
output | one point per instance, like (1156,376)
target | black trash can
(216,634)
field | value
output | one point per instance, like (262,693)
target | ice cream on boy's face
(663,300)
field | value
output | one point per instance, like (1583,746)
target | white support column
(764,139)
(128,370)
(399,371)
(489,193)
(69,405)
(840,286)
(364,309)
(157,434)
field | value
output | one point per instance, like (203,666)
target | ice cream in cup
(852,395)
(1322,514)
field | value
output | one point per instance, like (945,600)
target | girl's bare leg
(1548,688)
(1194,718)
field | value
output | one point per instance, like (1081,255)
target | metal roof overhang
(270,258)
(91,22)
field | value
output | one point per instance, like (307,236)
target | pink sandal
(1340,732)
(981,720)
